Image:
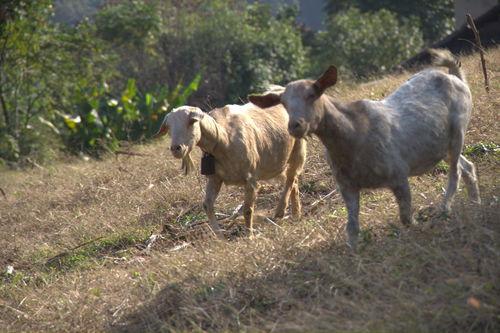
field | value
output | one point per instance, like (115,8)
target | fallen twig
(149,243)
(19,312)
(315,203)
(179,247)
(3,193)
(234,214)
(123,152)
(267,219)
(185,212)
(72,249)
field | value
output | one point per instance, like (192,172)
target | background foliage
(435,17)
(83,76)
(367,43)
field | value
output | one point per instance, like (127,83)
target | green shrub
(237,50)
(436,17)
(367,43)
(102,121)
(42,69)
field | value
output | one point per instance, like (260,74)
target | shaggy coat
(374,144)
(248,143)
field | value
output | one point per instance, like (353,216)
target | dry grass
(75,234)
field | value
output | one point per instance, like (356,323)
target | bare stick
(315,203)
(268,220)
(64,253)
(19,312)
(179,247)
(130,153)
(3,193)
(470,21)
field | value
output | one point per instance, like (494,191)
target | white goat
(248,144)
(373,144)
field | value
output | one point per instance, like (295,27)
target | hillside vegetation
(76,235)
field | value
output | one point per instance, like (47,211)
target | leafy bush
(42,69)
(130,22)
(367,43)
(435,17)
(48,91)
(236,50)
(102,121)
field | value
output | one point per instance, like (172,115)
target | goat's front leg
(403,196)
(351,199)
(248,206)
(212,191)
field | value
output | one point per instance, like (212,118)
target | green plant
(42,68)
(238,49)
(102,121)
(436,17)
(367,43)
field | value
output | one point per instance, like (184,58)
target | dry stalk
(19,312)
(313,205)
(130,153)
(62,254)
(479,46)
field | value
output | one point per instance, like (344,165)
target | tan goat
(248,144)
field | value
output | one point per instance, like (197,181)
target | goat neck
(334,123)
(213,136)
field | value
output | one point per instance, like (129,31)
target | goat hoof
(408,222)
(352,244)
(279,215)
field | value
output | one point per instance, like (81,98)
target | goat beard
(187,163)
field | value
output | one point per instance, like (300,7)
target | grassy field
(76,235)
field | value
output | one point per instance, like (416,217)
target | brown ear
(162,131)
(265,101)
(195,115)
(328,79)
(163,128)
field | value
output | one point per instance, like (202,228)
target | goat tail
(443,57)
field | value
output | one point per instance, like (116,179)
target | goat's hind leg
(296,206)
(248,206)
(470,178)
(285,196)
(455,171)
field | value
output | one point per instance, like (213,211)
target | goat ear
(328,79)
(265,101)
(162,131)
(195,116)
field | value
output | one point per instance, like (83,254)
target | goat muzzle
(297,128)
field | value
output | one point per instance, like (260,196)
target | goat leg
(212,191)
(248,206)
(351,199)
(403,196)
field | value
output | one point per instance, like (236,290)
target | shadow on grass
(440,278)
